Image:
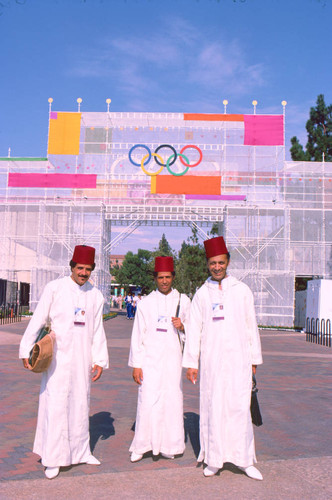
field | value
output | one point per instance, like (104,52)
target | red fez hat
(163,265)
(84,255)
(215,246)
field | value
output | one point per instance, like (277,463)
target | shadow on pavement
(191,430)
(101,426)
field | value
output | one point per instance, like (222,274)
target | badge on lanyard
(217,312)
(162,324)
(79,316)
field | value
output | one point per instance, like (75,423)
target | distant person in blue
(129,305)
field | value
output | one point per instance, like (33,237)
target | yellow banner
(64,133)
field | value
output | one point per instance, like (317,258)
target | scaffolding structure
(108,169)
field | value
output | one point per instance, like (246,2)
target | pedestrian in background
(136,299)
(119,301)
(129,305)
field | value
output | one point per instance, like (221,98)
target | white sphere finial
(79,100)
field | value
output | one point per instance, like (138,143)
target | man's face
(164,281)
(81,273)
(217,267)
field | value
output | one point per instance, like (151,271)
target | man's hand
(177,323)
(254,369)
(98,370)
(26,363)
(138,375)
(192,375)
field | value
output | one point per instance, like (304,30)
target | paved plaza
(294,446)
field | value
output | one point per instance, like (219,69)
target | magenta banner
(72,181)
(237,197)
(263,130)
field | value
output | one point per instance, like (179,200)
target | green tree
(191,270)
(114,270)
(330,264)
(164,248)
(297,152)
(319,128)
(216,229)
(135,270)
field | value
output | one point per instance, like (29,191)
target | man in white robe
(223,334)
(74,309)
(156,358)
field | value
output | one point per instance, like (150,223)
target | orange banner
(207,117)
(64,133)
(169,184)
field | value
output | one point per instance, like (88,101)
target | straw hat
(41,354)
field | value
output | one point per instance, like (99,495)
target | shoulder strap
(178,307)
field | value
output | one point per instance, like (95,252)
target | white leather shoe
(92,461)
(252,472)
(135,457)
(165,455)
(52,472)
(210,471)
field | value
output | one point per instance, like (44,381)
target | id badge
(217,312)
(162,324)
(79,316)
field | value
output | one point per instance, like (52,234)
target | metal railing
(10,314)
(319,331)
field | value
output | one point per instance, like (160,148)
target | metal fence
(10,314)
(318,331)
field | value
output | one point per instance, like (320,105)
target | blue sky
(154,55)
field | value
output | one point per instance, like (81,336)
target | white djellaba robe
(227,349)
(62,434)
(159,419)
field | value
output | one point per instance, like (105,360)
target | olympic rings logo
(170,161)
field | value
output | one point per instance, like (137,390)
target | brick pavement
(294,394)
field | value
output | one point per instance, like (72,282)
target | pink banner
(263,130)
(233,197)
(72,181)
